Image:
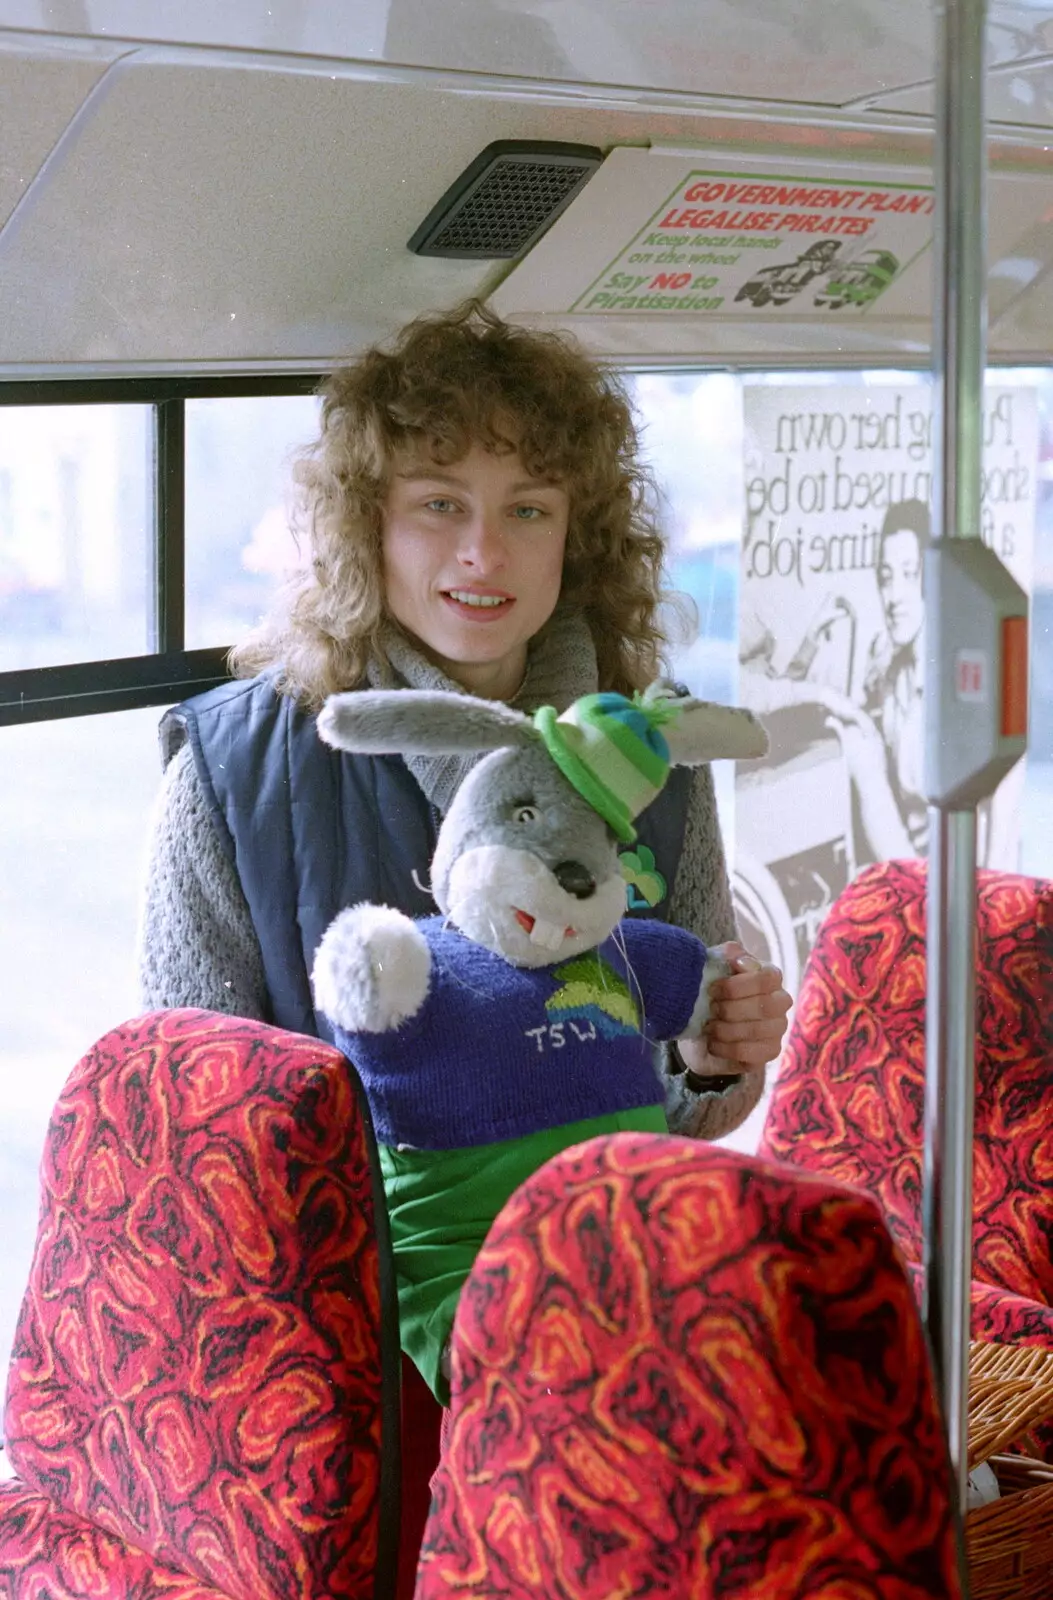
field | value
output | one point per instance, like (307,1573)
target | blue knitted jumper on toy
(499,1052)
(501,1069)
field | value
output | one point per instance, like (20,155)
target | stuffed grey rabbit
(522,1019)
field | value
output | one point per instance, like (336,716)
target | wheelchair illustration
(796,814)
(777,285)
(795,823)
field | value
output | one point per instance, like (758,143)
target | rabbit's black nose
(575,879)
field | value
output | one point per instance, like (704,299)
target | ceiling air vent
(504,201)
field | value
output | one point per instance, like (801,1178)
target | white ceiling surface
(228,216)
(39,97)
(1020,93)
(826,51)
(190,183)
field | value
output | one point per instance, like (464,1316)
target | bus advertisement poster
(725,244)
(838,486)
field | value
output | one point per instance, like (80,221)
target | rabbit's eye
(526,814)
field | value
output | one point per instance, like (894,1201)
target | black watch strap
(718,1083)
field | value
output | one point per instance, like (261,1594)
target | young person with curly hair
(477,518)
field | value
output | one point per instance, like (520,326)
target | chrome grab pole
(959,339)
(948,1156)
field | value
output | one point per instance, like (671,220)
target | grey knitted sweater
(197,943)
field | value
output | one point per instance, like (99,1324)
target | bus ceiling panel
(682,253)
(818,51)
(238,216)
(285,27)
(826,51)
(244,214)
(193,216)
(1020,94)
(821,51)
(41,91)
(1026,329)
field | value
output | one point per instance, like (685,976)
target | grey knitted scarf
(561,666)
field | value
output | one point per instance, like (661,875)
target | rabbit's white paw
(371,969)
(716,966)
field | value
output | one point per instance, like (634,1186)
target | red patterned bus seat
(199,1394)
(849,1098)
(682,1371)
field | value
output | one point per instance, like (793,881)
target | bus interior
(204,208)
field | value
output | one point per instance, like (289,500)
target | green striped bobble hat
(613,751)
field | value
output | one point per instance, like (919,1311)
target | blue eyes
(444,508)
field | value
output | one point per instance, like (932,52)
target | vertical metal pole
(948,1158)
(959,339)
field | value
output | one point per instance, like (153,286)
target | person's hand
(748,1011)
(832,609)
(862,743)
(839,706)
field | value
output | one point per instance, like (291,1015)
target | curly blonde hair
(449,382)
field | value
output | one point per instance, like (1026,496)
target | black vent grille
(505,200)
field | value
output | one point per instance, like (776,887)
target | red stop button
(1014,678)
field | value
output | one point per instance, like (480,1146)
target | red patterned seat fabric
(681,1371)
(197,1371)
(849,1097)
(47,1554)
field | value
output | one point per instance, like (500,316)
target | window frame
(169,671)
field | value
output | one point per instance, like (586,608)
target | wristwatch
(715,1083)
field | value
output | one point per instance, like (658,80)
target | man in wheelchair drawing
(778,284)
(842,783)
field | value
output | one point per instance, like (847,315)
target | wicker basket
(1010,1541)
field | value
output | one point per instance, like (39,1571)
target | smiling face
(899,583)
(472,563)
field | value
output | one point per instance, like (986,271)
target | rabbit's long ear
(707,732)
(420,722)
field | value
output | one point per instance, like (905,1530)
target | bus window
(238,545)
(76,527)
(75,515)
(797,510)
(74,808)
